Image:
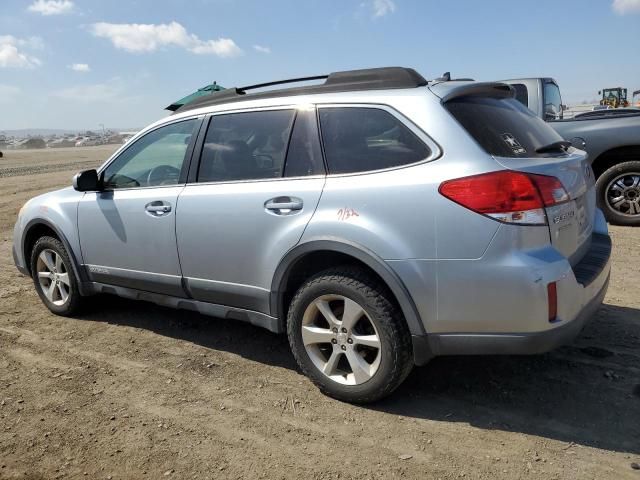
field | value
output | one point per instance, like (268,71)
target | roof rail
(352,80)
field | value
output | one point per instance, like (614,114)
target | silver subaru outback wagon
(378,219)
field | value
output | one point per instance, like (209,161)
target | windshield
(552,102)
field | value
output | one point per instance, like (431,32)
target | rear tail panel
(570,223)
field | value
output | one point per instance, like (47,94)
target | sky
(78,64)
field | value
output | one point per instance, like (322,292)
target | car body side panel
(58,208)
(399,214)
(126,245)
(230,244)
(457,294)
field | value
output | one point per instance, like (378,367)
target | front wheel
(619,193)
(348,336)
(53,276)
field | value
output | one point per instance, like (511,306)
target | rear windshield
(503,126)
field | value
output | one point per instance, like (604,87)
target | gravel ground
(132,390)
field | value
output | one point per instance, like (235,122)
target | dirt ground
(132,390)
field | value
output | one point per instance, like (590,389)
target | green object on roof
(201,92)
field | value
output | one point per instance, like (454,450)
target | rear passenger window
(359,139)
(245,146)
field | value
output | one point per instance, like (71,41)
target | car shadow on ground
(587,393)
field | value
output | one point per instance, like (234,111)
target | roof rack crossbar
(282,82)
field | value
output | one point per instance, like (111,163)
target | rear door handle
(157,208)
(283,205)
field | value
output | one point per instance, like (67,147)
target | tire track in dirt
(38,169)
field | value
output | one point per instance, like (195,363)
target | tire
(62,298)
(620,182)
(379,370)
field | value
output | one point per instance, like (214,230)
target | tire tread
(75,301)
(601,184)
(386,311)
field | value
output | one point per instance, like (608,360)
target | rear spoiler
(479,89)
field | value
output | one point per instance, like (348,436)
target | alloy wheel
(341,339)
(53,277)
(623,194)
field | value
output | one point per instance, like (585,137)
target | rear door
(258,183)
(519,140)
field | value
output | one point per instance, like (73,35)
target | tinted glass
(153,160)
(245,146)
(503,127)
(552,102)
(522,94)
(304,156)
(361,139)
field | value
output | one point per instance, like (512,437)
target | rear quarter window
(360,139)
(503,126)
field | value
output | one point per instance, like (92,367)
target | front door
(127,230)
(259,181)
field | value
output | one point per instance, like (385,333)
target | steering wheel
(163,175)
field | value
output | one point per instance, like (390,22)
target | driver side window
(155,159)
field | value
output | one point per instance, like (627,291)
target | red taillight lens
(552,298)
(551,189)
(508,196)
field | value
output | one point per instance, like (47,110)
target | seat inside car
(238,161)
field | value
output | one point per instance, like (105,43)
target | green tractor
(614,97)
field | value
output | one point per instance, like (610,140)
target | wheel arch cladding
(316,255)
(39,227)
(613,156)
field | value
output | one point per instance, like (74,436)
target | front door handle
(157,208)
(283,205)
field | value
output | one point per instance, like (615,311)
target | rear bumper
(511,343)
(581,290)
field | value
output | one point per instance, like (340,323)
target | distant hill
(26,132)
(34,132)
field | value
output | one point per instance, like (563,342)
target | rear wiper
(555,146)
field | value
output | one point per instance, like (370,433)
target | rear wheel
(348,336)
(53,276)
(619,193)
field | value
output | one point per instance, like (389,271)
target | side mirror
(86,181)
(563,107)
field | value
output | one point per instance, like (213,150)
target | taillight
(507,196)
